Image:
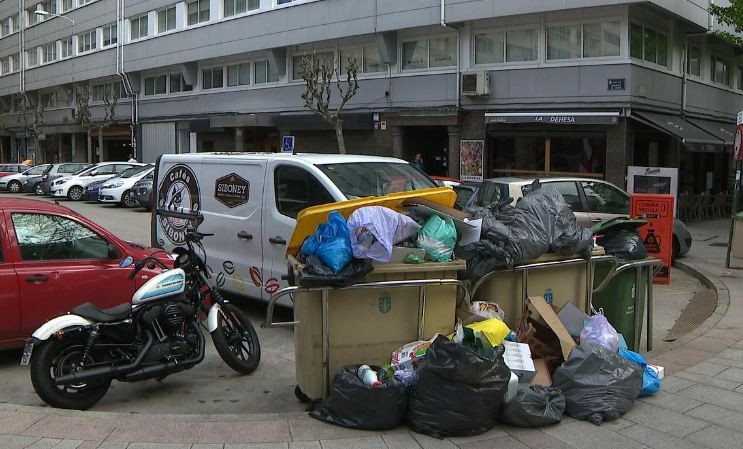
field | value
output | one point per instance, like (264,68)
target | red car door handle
(37,278)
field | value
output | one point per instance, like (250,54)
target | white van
(250,202)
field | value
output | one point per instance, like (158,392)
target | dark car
(66,169)
(91,192)
(143,192)
(34,183)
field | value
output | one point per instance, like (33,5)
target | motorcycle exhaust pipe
(106,371)
(170,367)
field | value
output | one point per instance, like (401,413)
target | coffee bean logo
(228,266)
(220,279)
(255,276)
(272,286)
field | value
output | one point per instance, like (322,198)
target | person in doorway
(131,158)
(418,163)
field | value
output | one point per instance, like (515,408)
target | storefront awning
(688,133)
(723,131)
(554,118)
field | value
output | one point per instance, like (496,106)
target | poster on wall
(471,160)
(658,233)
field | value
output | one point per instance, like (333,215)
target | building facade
(585,87)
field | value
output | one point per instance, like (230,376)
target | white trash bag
(375,229)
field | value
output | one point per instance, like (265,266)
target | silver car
(592,201)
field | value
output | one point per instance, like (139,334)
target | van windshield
(362,179)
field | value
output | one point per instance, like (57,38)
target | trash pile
(484,373)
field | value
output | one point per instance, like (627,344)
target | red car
(53,259)
(12,169)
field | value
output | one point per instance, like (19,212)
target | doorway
(432,143)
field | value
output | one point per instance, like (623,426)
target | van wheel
(75,193)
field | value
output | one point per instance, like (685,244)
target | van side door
(232,191)
(290,188)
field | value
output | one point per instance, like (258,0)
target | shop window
(720,71)
(519,154)
(648,44)
(296,189)
(694,61)
(560,154)
(577,155)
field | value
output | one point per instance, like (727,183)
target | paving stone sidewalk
(701,404)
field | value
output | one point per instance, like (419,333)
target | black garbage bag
(625,244)
(357,406)
(316,274)
(598,385)
(458,393)
(534,406)
(565,235)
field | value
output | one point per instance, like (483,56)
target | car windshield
(38,170)
(362,179)
(128,173)
(493,192)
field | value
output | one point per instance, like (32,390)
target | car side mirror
(113,251)
(126,262)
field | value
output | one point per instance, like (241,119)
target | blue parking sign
(287,144)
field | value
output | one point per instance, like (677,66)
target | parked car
(119,188)
(14,183)
(143,191)
(53,259)
(35,184)
(46,184)
(91,192)
(251,202)
(73,187)
(592,201)
(443,181)
(10,169)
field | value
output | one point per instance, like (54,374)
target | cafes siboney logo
(178,192)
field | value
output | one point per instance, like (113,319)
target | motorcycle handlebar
(142,263)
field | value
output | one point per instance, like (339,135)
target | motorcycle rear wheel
(54,358)
(236,341)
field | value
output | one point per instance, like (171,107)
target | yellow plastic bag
(493,330)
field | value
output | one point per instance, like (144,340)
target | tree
(319,75)
(31,120)
(83,113)
(731,16)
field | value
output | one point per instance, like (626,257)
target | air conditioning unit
(476,84)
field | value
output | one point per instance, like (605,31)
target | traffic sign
(287,144)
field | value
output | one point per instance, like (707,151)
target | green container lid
(617,223)
(739,216)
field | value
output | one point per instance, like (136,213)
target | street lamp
(39,12)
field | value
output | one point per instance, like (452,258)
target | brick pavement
(701,404)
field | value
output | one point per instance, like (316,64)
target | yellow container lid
(309,218)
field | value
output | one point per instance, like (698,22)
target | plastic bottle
(368,376)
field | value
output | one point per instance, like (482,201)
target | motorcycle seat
(93,313)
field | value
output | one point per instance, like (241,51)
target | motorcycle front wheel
(55,358)
(236,340)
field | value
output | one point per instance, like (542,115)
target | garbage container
(738,236)
(623,300)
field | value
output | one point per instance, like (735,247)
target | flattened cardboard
(550,317)
(573,318)
(542,377)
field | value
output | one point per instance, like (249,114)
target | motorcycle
(75,357)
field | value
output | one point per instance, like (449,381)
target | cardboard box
(572,318)
(550,317)
(542,376)
(518,359)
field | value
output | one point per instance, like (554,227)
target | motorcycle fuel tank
(164,285)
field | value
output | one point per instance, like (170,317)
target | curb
(723,303)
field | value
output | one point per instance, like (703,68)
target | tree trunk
(338,125)
(100,144)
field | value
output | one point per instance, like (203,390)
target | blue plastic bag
(330,243)
(650,381)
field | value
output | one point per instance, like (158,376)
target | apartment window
(198,11)
(84,2)
(238,74)
(590,40)
(7,65)
(33,57)
(425,53)
(232,7)
(33,19)
(694,61)
(67,47)
(50,6)
(49,100)
(15,61)
(166,19)
(16,24)
(720,71)
(138,27)
(86,42)
(155,85)
(325,58)
(178,84)
(263,72)
(367,59)
(5,26)
(49,52)
(67,5)
(99,92)
(119,90)
(506,46)
(109,35)
(648,44)
(564,42)
(212,78)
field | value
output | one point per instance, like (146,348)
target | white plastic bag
(600,332)
(375,229)
(487,310)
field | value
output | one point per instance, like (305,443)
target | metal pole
(650,307)
(734,211)
(325,344)
(421,311)
(637,316)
